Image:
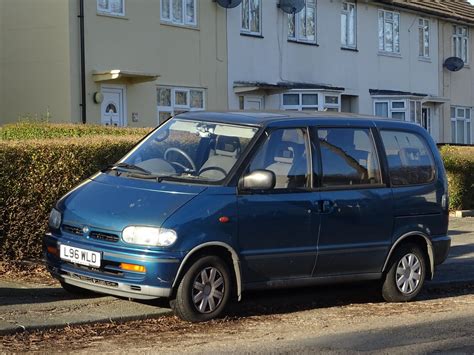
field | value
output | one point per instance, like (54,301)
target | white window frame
(347,13)
(109,11)
(248,30)
(184,21)
(321,105)
(383,49)
(406,109)
(175,107)
(464,120)
(297,37)
(424,33)
(460,43)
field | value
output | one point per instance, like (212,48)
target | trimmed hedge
(34,174)
(459,164)
(40,130)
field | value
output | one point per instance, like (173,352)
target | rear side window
(410,161)
(348,157)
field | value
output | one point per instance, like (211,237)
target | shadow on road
(460,250)
(13,296)
(452,233)
(300,299)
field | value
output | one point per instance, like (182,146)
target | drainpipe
(83,61)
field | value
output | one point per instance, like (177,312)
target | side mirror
(258,180)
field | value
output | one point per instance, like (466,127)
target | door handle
(325,206)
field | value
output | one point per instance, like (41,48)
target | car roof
(282,118)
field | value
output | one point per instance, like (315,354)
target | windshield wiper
(127,166)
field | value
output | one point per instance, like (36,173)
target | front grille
(72,230)
(107,237)
(108,268)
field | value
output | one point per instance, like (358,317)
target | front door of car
(355,205)
(278,227)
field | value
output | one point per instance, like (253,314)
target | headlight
(55,217)
(159,237)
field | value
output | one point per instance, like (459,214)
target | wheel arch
(212,246)
(419,238)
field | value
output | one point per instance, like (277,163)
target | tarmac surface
(28,306)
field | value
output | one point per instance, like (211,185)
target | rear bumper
(441,247)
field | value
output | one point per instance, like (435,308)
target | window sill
(349,49)
(249,34)
(389,54)
(120,17)
(424,59)
(314,44)
(171,24)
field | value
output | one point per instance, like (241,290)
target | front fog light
(54,221)
(151,236)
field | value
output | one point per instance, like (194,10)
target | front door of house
(112,107)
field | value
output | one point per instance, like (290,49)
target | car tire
(204,291)
(405,274)
(77,291)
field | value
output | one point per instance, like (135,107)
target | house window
(251,17)
(401,109)
(173,101)
(461,42)
(310,101)
(415,112)
(302,26)
(179,12)
(111,7)
(424,37)
(460,125)
(395,109)
(389,31)
(348,24)
(331,103)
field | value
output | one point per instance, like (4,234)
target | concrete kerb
(59,325)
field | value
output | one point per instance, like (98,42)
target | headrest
(285,155)
(410,156)
(227,146)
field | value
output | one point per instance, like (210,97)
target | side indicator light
(132,267)
(224,219)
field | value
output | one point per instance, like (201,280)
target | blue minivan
(209,205)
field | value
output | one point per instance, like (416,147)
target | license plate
(80,256)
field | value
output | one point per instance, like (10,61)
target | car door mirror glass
(258,180)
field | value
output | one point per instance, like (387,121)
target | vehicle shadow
(16,296)
(457,232)
(460,250)
(270,302)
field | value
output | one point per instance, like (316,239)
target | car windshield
(190,150)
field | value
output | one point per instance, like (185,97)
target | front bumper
(120,289)
(161,269)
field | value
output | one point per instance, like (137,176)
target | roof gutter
(83,61)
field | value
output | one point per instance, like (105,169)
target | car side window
(348,157)
(285,153)
(410,161)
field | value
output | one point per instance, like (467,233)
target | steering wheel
(213,168)
(182,153)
